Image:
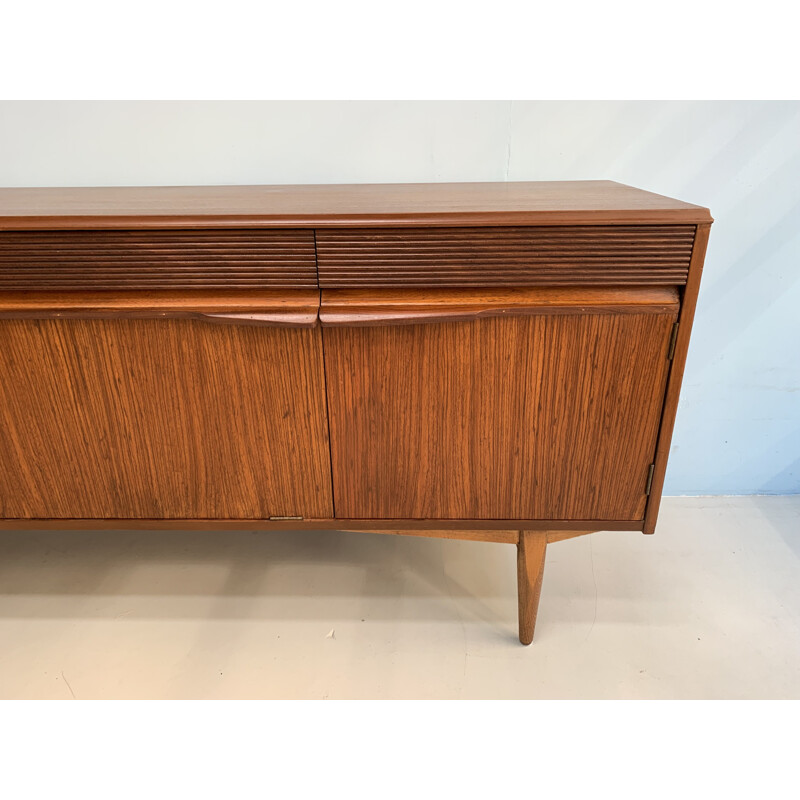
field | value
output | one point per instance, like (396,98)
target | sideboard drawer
(556,255)
(156,259)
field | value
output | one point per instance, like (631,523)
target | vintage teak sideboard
(490,361)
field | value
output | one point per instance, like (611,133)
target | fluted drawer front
(157,259)
(529,256)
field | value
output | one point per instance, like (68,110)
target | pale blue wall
(738,426)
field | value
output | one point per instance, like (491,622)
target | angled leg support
(530,569)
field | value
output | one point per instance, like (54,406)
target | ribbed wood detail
(529,256)
(157,259)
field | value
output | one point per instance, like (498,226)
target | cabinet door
(517,404)
(162,418)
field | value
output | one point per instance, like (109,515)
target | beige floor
(709,607)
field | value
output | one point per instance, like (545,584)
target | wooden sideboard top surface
(342,205)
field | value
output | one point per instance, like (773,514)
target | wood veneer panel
(143,418)
(500,203)
(540,417)
(156,259)
(585,255)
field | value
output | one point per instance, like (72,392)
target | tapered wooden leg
(530,569)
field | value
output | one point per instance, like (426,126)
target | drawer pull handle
(285,319)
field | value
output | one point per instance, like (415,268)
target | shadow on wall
(731,283)
(789,476)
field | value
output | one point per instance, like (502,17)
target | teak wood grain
(330,205)
(161,419)
(540,417)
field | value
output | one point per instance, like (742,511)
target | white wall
(738,427)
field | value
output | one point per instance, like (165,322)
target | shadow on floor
(177,567)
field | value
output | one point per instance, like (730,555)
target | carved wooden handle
(286,308)
(285,319)
(364,307)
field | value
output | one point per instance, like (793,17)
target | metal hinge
(672,339)
(283,518)
(650,471)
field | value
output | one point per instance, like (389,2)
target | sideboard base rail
(468,528)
